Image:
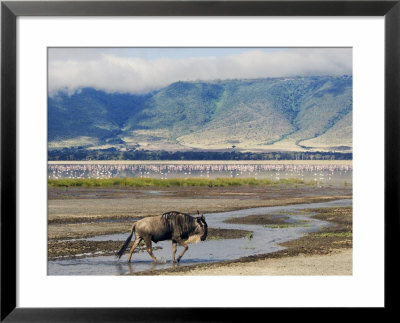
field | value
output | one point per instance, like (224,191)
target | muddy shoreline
(81,213)
(75,249)
(327,241)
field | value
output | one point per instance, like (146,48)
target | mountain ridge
(294,114)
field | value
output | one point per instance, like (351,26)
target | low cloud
(112,71)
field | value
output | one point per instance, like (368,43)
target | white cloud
(112,71)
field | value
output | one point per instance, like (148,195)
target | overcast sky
(139,70)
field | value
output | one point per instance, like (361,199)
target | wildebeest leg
(185,246)
(149,249)
(135,244)
(173,250)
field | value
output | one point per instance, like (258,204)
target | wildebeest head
(202,227)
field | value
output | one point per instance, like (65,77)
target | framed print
(156,150)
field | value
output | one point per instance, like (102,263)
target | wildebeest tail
(126,243)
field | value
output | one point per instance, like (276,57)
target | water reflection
(264,240)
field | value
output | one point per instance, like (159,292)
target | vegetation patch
(339,235)
(342,217)
(284,226)
(180,182)
(300,223)
(263,219)
(334,234)
(85,154)
(249,235)
(220,234)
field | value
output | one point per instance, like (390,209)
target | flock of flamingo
(260,171)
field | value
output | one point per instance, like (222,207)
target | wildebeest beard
(204,236)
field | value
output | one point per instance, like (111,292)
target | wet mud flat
(78,217)
(80,212)
(81,248)
(334,235)
(80,205)
(87,212)
(329,240)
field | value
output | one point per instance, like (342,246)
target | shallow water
(327,174)
(264,240)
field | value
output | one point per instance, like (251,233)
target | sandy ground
(75,204)
(338,262)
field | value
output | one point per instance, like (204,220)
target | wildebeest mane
(181,224)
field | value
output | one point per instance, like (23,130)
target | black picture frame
(11,10)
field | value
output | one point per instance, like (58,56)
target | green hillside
(302,113)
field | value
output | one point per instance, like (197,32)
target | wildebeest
(179,227)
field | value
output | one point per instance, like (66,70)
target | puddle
(264,240)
